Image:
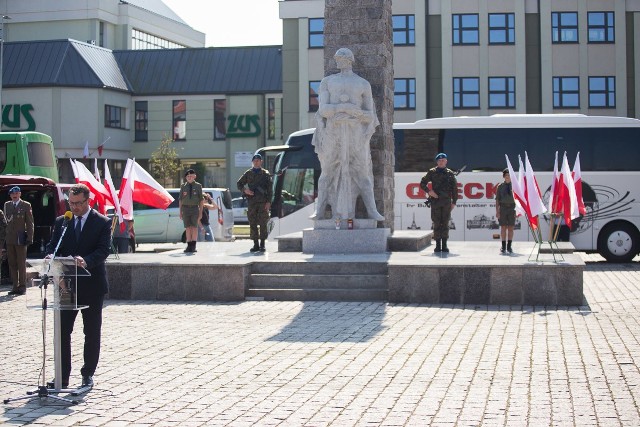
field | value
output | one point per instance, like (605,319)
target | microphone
(65,224)
(67,217)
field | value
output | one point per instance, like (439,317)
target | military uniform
(19,235)
(444,184)
(506,204)
(258,181)
(191,196)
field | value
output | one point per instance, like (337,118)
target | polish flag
(518,190)
(101,195)
(569,200)
(577,179)
(555,196)
(139,186)
(108,183)
(126,191)
(74,169)
(534,199)
(85,151)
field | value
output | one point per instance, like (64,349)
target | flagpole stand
(539,242)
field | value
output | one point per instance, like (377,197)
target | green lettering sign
(14,121)
(240,126)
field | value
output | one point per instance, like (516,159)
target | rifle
(259,186)
(427,202)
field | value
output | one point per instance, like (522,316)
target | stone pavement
(343,364)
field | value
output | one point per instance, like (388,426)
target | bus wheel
(618,242)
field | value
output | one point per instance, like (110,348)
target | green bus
(27,153)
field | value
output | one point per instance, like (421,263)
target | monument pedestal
(343,241)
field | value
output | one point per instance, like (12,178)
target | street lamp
(2,19)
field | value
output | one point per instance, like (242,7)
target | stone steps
(346,281)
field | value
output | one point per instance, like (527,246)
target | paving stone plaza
(328,363)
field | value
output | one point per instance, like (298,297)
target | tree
(164,163)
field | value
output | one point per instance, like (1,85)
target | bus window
(298,189)
(40,154)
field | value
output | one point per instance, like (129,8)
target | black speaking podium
(58,284)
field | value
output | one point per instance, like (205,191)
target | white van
(153,225)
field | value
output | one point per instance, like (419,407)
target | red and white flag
(126,191)
(108,183)
(101,146)
(101,195)
(518,191)
(555,196)
(577,180)
(139,186)
(534,199)
(85,151)
(569,200)
(74,169)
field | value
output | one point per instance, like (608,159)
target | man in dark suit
(88,241)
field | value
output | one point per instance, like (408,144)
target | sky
(232,22)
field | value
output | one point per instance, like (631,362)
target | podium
(58,284)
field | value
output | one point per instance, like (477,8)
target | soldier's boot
(193,246)
(262,248)
(438,247)
(504,247)
(444,246)
(188,248)
(509,247)
(255,247)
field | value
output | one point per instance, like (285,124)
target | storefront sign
(243,126)
(12,115)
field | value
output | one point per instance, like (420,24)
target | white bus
(609,156)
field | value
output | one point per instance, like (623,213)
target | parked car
(165,226)
(240,210)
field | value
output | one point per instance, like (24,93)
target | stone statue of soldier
(346,120)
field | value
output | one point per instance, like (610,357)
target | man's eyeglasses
(77,204)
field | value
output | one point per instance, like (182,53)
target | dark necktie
(78,227)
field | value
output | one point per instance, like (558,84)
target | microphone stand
(43,390)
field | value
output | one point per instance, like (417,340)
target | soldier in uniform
(255,185)
(19,236)
(191,203)
(443,195)
(505,211)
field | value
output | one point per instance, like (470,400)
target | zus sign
(13,114)
(243,126)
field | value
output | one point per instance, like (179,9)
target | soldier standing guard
(443,195)
(255,185)
(191,203)
(18,237)
(506,211)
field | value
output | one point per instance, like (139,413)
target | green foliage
(164,163)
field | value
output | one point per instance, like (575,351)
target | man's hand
(433,194)
(248,192)
(80,262)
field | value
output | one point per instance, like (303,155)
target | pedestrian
(88,241)
(122,237)
(19,236)
(204,231)
(443,195)
(191,203)
(3,233)
(505,211)
(255,185)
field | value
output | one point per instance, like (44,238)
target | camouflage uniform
(444,184)
(260,183)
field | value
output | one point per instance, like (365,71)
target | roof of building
(223,70)
(61,63)
(71,63)
(157,7)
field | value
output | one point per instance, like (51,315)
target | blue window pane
(512,36)
(612,83)
(399,37)
(555,35)
(556,84)
(497,36)
(412,22)
(496,84)
(596,83)
(570,100)
(554,19)
(456,85)
(412,85)
(597,100)
(611,35)
(512,19)
(398,21)
(556,99)
(456,100)
(497,20)
(456,22)
(399,101)
(596,35)
(569,19)
(471,100)
(470,36)
(496,100)
(316,40)
(470,21)
(470,85)
(596,18)
(512,100)
(456,38)
(412,101)
(316,25)
(512,83)
(570,83)
(400,85)
(612,99)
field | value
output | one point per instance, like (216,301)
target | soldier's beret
(441,156)
(189,172)
(256,156)
(15,189)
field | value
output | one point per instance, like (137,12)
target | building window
(316,32)
(466,92)
(465,29)
(142,121)
(601,27)
(502,28)
(602,92)
(114,117)
(502,92)
(314,87)
(219,119)
(141,40)
(404,94)
(564,27)
(179,120)
(566,92)
(404,29)
(271,118)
